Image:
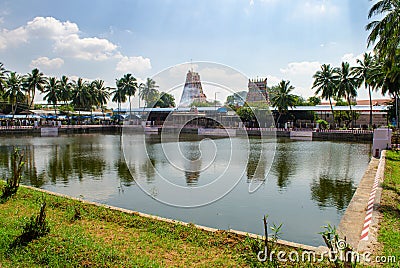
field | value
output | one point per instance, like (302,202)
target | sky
(277,39)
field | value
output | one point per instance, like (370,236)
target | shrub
(322,124)
(12,183)
(34,228)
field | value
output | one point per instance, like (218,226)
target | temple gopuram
(258,91)
(192,91)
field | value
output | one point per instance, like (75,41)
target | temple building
(192,91)
(258,91)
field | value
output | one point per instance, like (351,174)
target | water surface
(309,185)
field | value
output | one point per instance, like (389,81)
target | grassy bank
(87,235)
(389,233)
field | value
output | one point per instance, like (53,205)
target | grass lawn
(389,233)
(87,235)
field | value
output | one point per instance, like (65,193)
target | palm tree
(65,89)
(324,81)
(148,91)
(32,82)
(52,92)
(282,99)
(385,33)
(385,75)
(364,75)
(101,93)
(129,85)
(346,84)
(3,77)
(119,95)
(13,91)
(80,95)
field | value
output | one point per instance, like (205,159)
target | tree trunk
(333,115)
(351,112)
(370,106)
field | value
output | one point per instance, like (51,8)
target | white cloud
(85,48)
(133,64)
(49,27)
(46,63)
(301,68)
(315,8)
(65,38)
(351,59)
(273,80)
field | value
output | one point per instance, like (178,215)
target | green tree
(128,85)
(246,114)
(149,92)
(363,72)
(282,98)
(202,104)
(101,93)
(3,77)
(324,81)
(386,76)
(347,84)
(314,100)
(14,92)
(80,96)
(165,101)
(34,81)
(385,33)
(65,89)
(119,96)
(52,92)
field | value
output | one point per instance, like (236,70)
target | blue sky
(280,39)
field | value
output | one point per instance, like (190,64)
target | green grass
(389,233)
(84,235)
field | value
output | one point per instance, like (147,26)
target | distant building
(192,91)
(258,91)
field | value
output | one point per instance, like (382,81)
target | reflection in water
(81,159)
(284,166)
(257,162)
(148,168)
(192,153)
(328,192)
(124,173)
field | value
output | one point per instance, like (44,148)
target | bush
(322,124)
(34,228)
(12,183)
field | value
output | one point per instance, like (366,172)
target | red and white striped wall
(370,206)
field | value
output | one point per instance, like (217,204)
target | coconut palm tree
(385,33)
(119,95)
(149,92)
(324,81)
(80,95)
(386,76)
(364,74)
(51,89)
(282,98)
(13,91)
(346,84)
(65,89)
(32,82)
(3,77)
(101,94)
(129,85)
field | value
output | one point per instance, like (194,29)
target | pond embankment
(326,135)
(359,223)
